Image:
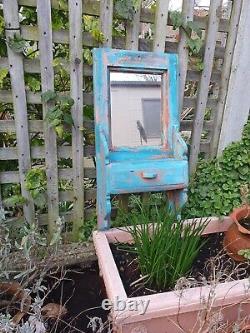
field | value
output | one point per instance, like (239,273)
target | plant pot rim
(235,217)
(166,303)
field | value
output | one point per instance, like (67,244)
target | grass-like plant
(165,247)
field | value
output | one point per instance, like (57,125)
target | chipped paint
(141,169)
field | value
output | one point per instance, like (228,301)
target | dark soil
(210,259)
(81,291)
(245,223)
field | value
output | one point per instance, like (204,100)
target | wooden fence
(210,93)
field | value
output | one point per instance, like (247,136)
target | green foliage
(32,82)
(17,44)
(31,238)
(126,9)
(16,200)
(28,15)
(3,74)
(87,55)
(36,184)
(91,25)
(2,24)
(59,114)
(245,253)
(85,231)
(216,186)
(164,246)
(194,37)
(3,48)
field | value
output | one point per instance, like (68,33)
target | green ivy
(126,9)
(194,37)
(17,44)
(58,115)
(36,184)
(16,200)
(216,186)
(3,74)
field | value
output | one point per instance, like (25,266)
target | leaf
(3,73)
(59,131)
(193,26)
(98,35)
(2,25)
(244,170)
(87,55)
(17,44)
(15,200)
(55,122)
(66,100)
(176,19)
(33,83)
(63,4)
(125,9)
(194,45)
(47,96)
(68,119)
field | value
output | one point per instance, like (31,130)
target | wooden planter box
(171,312)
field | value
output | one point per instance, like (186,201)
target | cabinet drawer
(156,176)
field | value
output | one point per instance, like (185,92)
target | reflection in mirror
(135,109)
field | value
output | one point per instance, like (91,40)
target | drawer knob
(149,175)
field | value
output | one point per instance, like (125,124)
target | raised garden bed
(196,309)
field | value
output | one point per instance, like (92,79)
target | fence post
(133,29)
(76,83)
(47,77)
(161,20)
(12,26)
(106,21)
(237,102)
(202,94)
(187,15)
(226,70)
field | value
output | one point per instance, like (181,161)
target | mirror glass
(135,117)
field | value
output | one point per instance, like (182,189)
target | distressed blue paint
(140,169)
(128,177)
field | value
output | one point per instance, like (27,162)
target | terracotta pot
(237,237)
(245,329)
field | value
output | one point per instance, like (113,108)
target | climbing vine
(36,184)
(59,114)
(126,9)
(194,38)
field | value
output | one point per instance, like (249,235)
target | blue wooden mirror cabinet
(138,144)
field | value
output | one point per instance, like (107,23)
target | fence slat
(161,20)
(33,66)
(211,37)
(76,81)
(236,111)
(35,98)
(187,15)
(47,79)
(92,8)
(133,29)
(36,126)
(106,21)
(62,36)
(37,152)
(11,17)
(231,40)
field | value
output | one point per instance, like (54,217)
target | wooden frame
(152,168)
